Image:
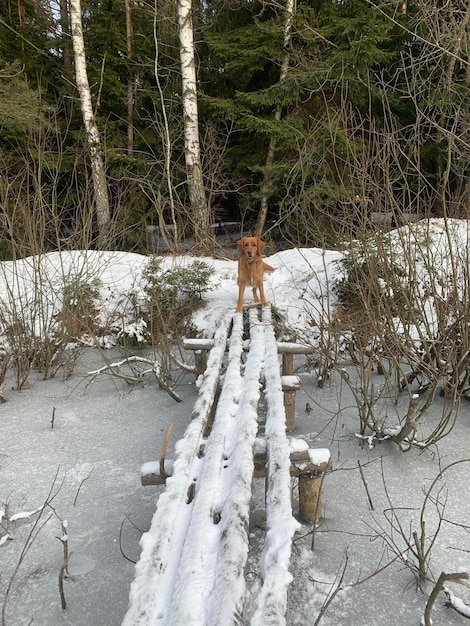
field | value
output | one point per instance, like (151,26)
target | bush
(173,295)
(403,307)
(79,307)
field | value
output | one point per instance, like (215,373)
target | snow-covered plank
(161,545)
(289,347)
(288,350)
(290,383)
(193,558)
(281,525)
(196,570)
(190,343)
(226,601)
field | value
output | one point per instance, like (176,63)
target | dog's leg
(255,294)
(264,302)
(241,293)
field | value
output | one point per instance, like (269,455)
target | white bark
(91,129)
(200,210)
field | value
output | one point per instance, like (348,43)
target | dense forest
(312,121)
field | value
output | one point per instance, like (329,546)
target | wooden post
(288,349)
(310,504)
(200,347)
(287,364)
(311,482)
(290,384)
(200,361)
(289,405)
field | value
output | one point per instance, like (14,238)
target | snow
(106,430)
(457,603)
(319,456)
(291,381)
(281,526)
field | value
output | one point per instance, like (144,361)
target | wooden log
(287,364)
(309,466)
(289,406)
(290,384)
(288,349)
(197,344)
(200,361)
(211,418)
(310,502)
(200,347)
(313,461)
(310,485)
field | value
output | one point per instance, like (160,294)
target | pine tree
(334,52)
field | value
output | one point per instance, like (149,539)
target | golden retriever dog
(251,268)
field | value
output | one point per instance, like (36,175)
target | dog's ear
(261,245)
(240,244)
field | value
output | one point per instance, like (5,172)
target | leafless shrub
(39,523)
(402,316)
(414,546)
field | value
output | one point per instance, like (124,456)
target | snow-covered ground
(86,465)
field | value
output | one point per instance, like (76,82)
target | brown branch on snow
(183,366)
(456,603)
(113,368)
(63,569)
(64,539)
(408,432)
(435,592)
(163,452)
(164,386)
(120,543)
(81,485)
(365,485)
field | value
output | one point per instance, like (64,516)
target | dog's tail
(267,268)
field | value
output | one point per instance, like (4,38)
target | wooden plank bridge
(192,565)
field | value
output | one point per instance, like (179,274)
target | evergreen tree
(334,53)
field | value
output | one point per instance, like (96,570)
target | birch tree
(97,166)
(200,212)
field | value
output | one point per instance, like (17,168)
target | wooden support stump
(310,501)
(288,349)
(200,347)
(309,466)
(290,384)
(310,484)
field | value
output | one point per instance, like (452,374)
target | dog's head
(251,247)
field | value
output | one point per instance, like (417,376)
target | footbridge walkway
(192,565)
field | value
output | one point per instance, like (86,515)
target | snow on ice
(105,432)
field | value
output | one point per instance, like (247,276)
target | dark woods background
(360,119)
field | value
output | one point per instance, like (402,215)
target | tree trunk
(200,212)
(67,54)
(130,81)
(97,167)
(266,185)
(445,135)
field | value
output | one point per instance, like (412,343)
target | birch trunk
(204,240)
(97,167)
(266,184)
